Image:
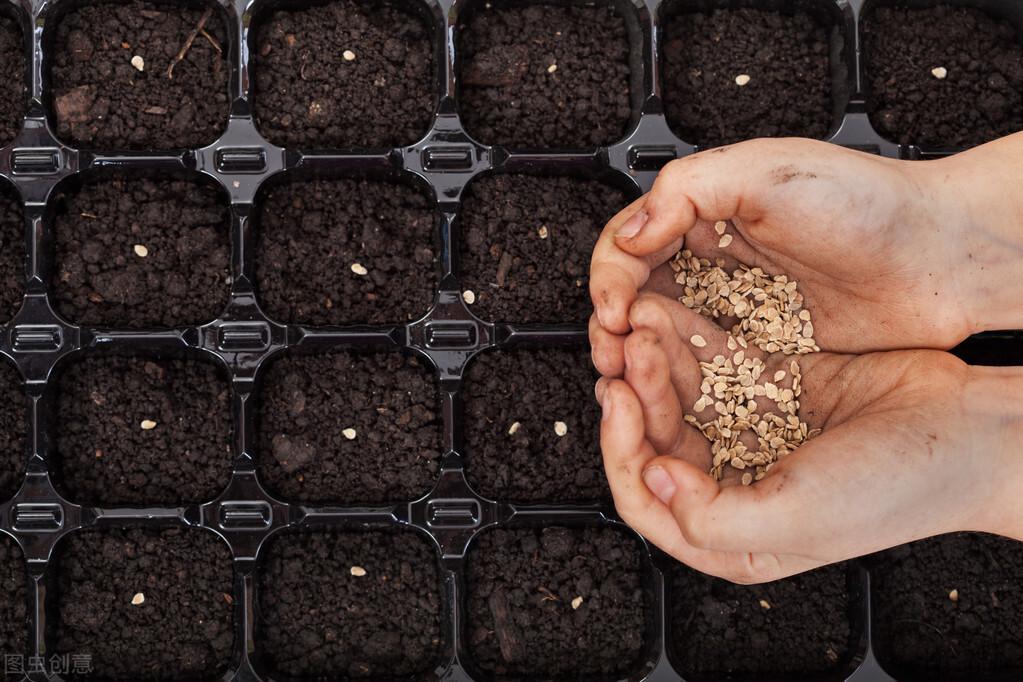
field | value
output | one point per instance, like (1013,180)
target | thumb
(682,487)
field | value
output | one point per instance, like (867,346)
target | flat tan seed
(720,227)
(576,603)
(138,62)
(348,56)
(954,595)
(560,428)
(140,250)
(138,599)
(742,79)
(358,571)
(514,428)
(552,68)
(469,296)
(359,269)
(350,433)
(779,375)
(764,604)
(939,72)
(697,340)
(724,241)
(147,424)
(543,232)
(747,478)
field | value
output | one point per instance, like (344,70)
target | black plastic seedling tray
(242,339)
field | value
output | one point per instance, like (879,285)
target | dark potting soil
(179,277)
(14,605)
(182,629)
(531,462)
(106,456)
(317,618)
(920,631)
(527,242)
(521,587)
(12,86)
(311,234)
(102,100)
(12,252)
(718,627)
(13,427)
(785,56)
(344,74)
(307,403)
(980,99)
(510,94)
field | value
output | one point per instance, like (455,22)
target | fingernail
(633,225)
(660,483)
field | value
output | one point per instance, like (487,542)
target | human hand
(888,254)
(915,443)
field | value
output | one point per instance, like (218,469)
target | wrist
(994,408)
(979,212)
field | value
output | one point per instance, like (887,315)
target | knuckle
(694,532)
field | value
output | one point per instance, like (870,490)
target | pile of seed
(769,313)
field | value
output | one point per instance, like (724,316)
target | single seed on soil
(742,79)
(358,571)
(349,433)
(469,296)
(764,604)
(576,603)
(939,72)
(543,232)
(552,68)
(720,226)
(697,340)
(148,424)
(140,250)
(954,595)
(228,598)
(560,428)
(138,62)
(725,240)
(348,55)
(359,269)
(138,599)
(514,428)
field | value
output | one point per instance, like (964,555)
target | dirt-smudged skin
(524,614)
(530,462)
(545,75)
(350,604)
(101,277)
(107,455)
(526,245)
(14,606)
(786,58)
(181,629)
(348,428)
(923,633)
(102,100)
(346,251)
(346,74)
(796,626)
(980,97)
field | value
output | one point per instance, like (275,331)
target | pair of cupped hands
(897,261)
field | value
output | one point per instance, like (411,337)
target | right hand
(888,254)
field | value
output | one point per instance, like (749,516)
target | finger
(812,503)
(626,452)
(652,311)
(647,371)
(606,349)
(616,276)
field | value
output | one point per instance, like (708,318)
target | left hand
(915,443)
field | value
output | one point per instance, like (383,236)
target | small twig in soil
(212,41)
(508,636)
(547,595)
(188,42)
